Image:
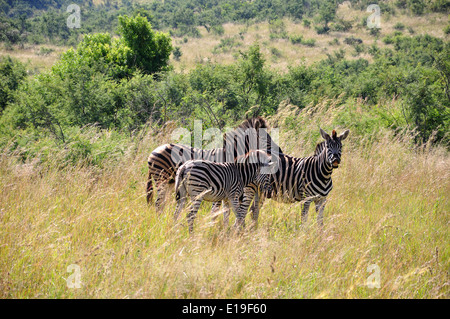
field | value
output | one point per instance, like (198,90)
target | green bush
(218,29)
(177,53)
(296,38)
(309,42)
(399,26)
(12,73)
(149,50)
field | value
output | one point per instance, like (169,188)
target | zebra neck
(325,168)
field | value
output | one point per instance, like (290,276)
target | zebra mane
(257,123)
(319,148)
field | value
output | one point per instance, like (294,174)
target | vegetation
(98,219)
(78,134)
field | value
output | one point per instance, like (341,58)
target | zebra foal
(210,181)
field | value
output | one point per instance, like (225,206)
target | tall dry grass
(389,207)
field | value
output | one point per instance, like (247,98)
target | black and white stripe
(305,179)
(164,161)
(205,180)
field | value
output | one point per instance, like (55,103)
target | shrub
(334,42)
(226,45)
(309,42)
(218,29)
(12,73)
(374,32)
(306,23)
(399,26)
(296,39)
(352,41)
(416,6)
(150,50)
(447,29)
(277,29)
(342,25)
(177,53)
(321,29)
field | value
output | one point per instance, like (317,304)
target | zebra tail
(179,179)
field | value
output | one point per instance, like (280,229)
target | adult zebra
(306,179)
(164,161)
(205,180)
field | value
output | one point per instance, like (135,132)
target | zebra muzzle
(335,164)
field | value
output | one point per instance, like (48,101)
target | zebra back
(164,161)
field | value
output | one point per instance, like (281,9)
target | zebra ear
(324,134)
(344,135)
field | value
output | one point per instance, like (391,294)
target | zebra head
(334,146)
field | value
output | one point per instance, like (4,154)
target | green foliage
(226,45)
(326,14)
(12,73)
(352,41)
(150,51)
(341,25)
(416,6)
(374,32)
(119,84)
(307,23)
(99,52)
(447,29)
(277,29)
(296,38)
(399,26)
(177,53)
(218,29)
(45,21)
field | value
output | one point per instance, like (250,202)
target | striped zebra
(205,180)
(305,179)
(164,161)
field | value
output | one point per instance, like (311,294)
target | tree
(12,73)
(327,13)
(150,50)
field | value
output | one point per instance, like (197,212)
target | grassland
(200,50)
(389,207)
(280,53)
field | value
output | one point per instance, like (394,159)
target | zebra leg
(226,214)
(193,212)
(255,208)
(240,213)
(250,195)
(320,206)
(305,211)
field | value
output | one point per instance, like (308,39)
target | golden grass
(30,55)
(200,50)
(389,207)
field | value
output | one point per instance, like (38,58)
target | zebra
(305,179)
(164,161)
(210,181)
